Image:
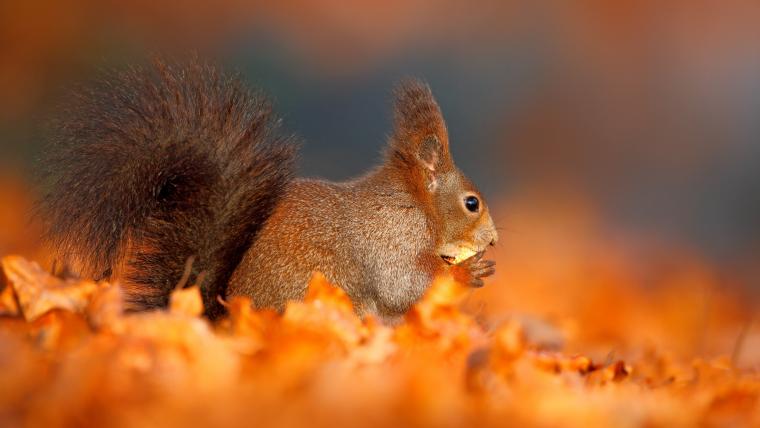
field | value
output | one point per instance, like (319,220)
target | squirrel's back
(158,166)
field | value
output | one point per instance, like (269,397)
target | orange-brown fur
(160,165)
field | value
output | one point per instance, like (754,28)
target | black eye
(472,203)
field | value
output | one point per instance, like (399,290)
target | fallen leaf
(8,302)
(39,292)
(186,301)
(106,306)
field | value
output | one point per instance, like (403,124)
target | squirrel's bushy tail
(158,164)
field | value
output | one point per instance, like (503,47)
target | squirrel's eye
(472,203)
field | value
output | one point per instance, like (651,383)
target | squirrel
(176,170)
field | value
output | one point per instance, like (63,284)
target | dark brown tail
(158,164)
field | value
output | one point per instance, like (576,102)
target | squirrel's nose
(494,234)
(488,232)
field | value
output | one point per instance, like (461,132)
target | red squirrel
(172,162)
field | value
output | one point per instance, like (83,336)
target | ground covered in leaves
(70,356)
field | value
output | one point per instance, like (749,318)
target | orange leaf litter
(70,356)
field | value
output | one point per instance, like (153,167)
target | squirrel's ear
(429,156)
(420,137)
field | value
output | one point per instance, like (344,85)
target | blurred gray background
(650,110)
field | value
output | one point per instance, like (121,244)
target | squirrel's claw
(472,270)
(483,268)
(476,283)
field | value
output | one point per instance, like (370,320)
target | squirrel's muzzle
(483,235)
(486,233)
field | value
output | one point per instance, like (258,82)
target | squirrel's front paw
(472,270)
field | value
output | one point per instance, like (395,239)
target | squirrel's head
(419,149)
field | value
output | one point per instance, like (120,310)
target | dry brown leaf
(8,302)
(437,321)
(39,292)
(106,306)
(327,309)
(186,301)
(320,364)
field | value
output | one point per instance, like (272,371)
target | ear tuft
(420,134)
